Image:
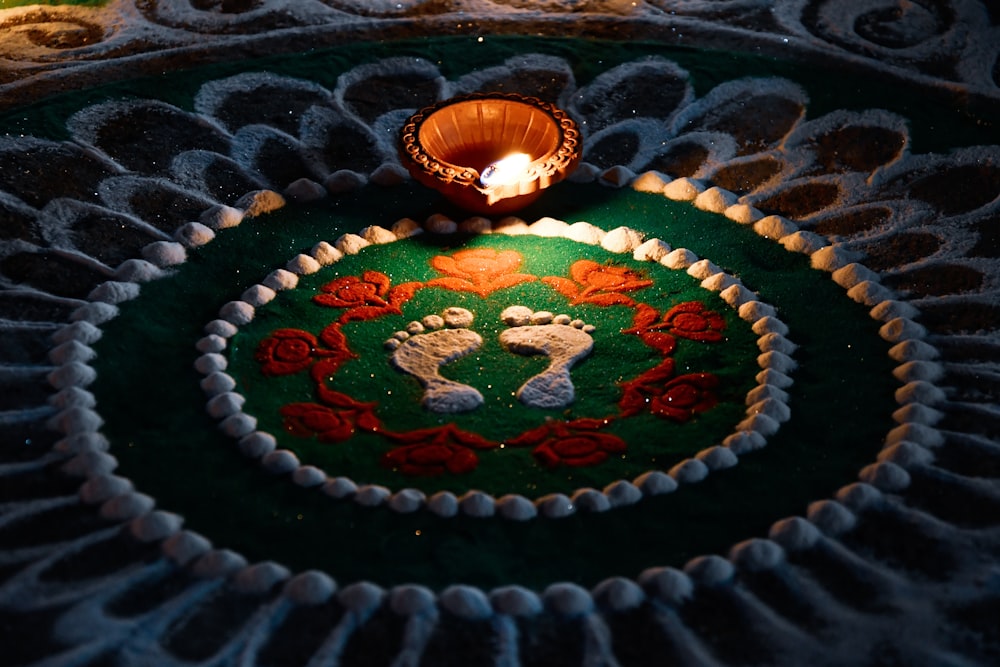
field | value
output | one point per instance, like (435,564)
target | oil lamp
(490,152)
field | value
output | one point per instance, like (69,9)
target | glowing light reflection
(506,171)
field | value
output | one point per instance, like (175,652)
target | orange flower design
(599,284)
(481,271)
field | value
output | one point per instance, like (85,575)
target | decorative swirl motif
(25,33)
(922,35)
(947,41)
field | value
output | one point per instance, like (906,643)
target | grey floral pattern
(133,175)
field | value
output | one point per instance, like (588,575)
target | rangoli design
(424,348)
(391,399)
(122,569)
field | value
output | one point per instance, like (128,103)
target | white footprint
(562,340)
(424,347)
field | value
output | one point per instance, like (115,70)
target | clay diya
(490,152)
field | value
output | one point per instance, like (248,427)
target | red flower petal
(632,401)
(462,461)
(292,350)
(394,457)
(343,430)
(575,447)
(530,438)
(581,269)
(567,288)
(645,316)
(367,421)
(400,294)
(663,343)
(544,454)
(430,454)
(591,459)
(605,299)
(468,439)
(453,283)
(334,339)
(587,424)
(379,280)
(366,313)
(448,266)
(660,373)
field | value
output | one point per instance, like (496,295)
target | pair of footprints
(426,346)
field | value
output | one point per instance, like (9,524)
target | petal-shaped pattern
(23,346)
(743,175)
(960,182)
(277,157)
(631,143)
(368,91)
(158,202)
(865,219)
(936,279)
(958,315)
(217,176)
(800,198)
(692,154)
(988,242)
(54,272)
(537,75)
(186,637)
(882,252)
(32,306)
(36,171)
(341,142)
(98,232)
(757,113)
(647,88)
(260,98)
(144,135)
(228,16)
(844,141)
(914,35)
(18,221)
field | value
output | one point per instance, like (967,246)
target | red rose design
(479,270)
(286,351)
(366,297)
(582,449)
(599,284)
(643,325)
(693,321)
(677,398)
(576,443)
(434,451)
(431,459)
(327,424)
(685,396)
(351,291)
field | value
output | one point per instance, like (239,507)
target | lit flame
(506,171)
